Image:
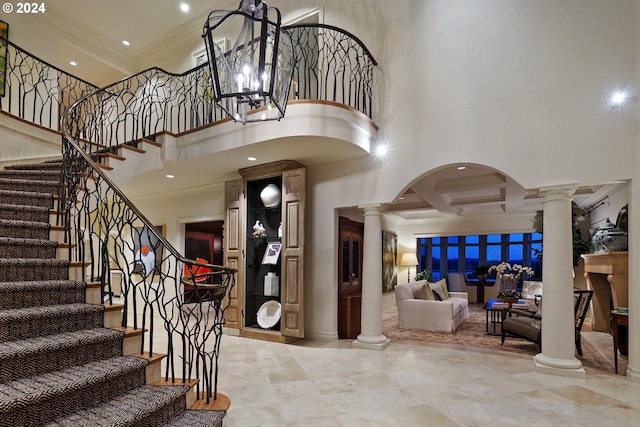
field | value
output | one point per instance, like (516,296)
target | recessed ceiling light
(381,150)
(251,159)
(74,63)
(170,176)
(126,42)
(184,7)
(461,168)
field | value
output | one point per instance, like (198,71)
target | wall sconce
(409,259)
(251,82)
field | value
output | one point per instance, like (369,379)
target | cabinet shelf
(283,225)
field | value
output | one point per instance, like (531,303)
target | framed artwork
(148,251)
(4,35)
(389,260)
(272,253)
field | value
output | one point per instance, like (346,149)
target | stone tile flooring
(312,383)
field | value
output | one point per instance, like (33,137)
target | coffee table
(494,315)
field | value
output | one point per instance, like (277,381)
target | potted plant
(424,275)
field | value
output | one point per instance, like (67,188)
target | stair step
(50,187)
(24,212)
(43,398)
(35,175)
(24,229)
(28,270)
(16,295)
(30,322)
(35,356)
(27,248)
(145,406)
(48,165)
(28,198)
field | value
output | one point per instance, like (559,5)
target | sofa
(417,311)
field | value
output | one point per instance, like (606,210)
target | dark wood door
(349,277)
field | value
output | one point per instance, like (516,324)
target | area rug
(472,333)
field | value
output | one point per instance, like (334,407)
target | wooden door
(293,200)
(233,246)
(349,277)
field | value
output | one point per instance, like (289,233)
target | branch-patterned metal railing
(107,231)
(36,91)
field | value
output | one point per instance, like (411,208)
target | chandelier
(250,81)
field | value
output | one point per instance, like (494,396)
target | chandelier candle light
(251,82)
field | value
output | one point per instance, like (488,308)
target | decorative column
(558,322)
(371,324)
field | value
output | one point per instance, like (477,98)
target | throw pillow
(436,295)
(443,285)
(423,292)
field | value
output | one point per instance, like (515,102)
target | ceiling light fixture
(184,7)
(381,150)
(256,72)
(461,168)
(125,42)
(617,100)
(74,63)
(170,176)
(251,159)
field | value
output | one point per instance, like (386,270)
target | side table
(494,316)
(620,337)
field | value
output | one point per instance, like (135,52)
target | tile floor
(312,383)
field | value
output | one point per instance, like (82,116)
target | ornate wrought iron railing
(107,231)
(36,91)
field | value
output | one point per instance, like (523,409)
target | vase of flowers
(510,275)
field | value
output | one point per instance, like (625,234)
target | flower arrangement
(509,293)
(513,272)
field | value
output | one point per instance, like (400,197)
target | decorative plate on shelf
(269,314)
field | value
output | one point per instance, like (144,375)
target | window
(465,253)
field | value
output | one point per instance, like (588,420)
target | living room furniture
(527,325)
(607,275)
(494,316)
(619,332)
(457,283)
(531,290)
(429,315)
(491,290)
(264,233)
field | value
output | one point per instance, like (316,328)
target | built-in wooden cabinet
(264,241)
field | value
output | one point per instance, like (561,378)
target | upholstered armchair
(522,324)
(457,283)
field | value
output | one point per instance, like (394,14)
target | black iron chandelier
(251,81)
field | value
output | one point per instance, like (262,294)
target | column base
(559,367)
(371,343)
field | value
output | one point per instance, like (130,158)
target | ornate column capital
(557,192)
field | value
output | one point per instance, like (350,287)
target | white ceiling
(96,29)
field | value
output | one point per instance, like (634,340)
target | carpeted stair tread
(33,356)
(15,295)
(24,229)
(145,406)
(48,165)
(35,175)
(11,247)
(46,320)
(191,418)
(27,198)
(24,212)
(29,185)
(43,398)
(29,269)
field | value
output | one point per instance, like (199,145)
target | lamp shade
(250,82)
(409,258)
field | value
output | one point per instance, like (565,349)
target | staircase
(61,354)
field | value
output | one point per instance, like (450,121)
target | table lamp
(409,259)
